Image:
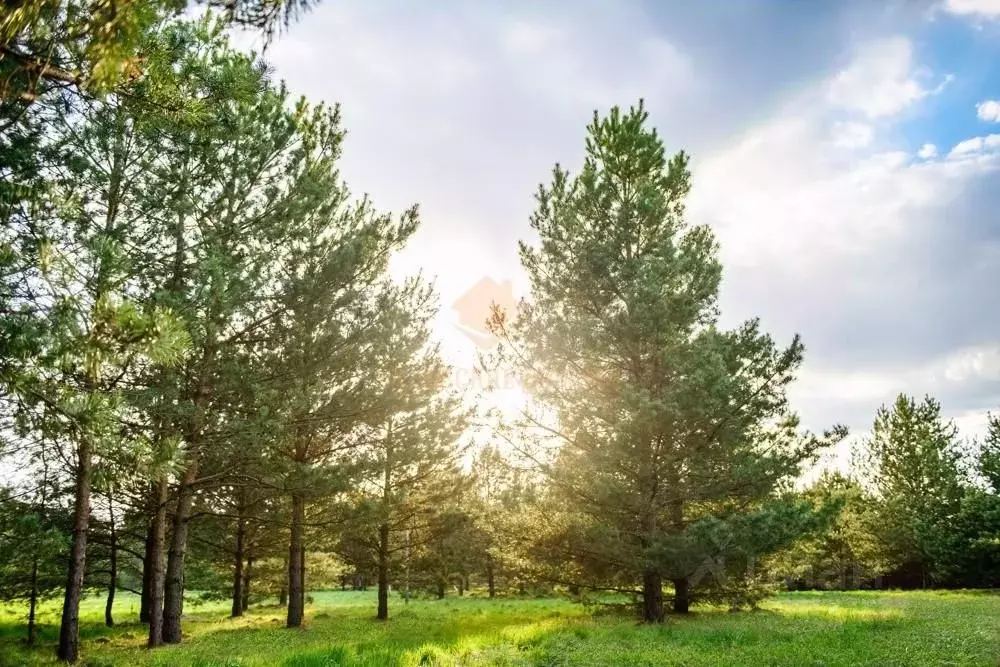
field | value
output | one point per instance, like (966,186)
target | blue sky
(810,124)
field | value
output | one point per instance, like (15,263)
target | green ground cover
(864,628)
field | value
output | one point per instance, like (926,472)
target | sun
(510,401)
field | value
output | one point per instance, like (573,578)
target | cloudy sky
(847,153)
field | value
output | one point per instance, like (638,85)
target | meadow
(828,628)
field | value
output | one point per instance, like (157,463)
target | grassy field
(869,628)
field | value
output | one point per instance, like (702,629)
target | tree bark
(383,529)
(109,619)
(158,529)
(302,600)
(237,609)
(296,566)
(383,572)
(652,597)
(247,572)
(440,591)
(69,630)
(682,589)
(682,595)
(173,590)
(147,568)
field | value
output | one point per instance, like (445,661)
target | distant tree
(34,535)
(673,435)
(988,461)
(501,502)
(444,551)
(975,562)
(845,553)
(911,463)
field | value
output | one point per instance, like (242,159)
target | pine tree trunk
(296,593)
(33,602)
(147,569)
(247,571)
(302,599)
(383,572)
(490,582)
(237,608)
(109,619)
(158,530)
(652,597)
(682,595)
(69,630)
(682,592)
(383,529)
(173,589)
(440,591)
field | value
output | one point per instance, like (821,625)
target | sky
(846,153)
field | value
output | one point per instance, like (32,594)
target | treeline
(920,508)
(211,387)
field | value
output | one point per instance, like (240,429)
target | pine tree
(912,464)
(411,447)
(333,307)
(674,435)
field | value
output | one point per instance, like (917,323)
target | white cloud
(984,8)
(465,111)
(981,362)
(852,135)
(778,198)
(880,81)
(972,423)
(975,146)
(525,38)
(989,110)
(944,377)
(802,224)
(927,151)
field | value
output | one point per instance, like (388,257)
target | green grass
(801,629)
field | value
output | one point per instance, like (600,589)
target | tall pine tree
(674,437)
